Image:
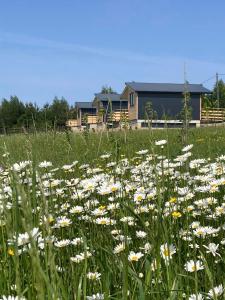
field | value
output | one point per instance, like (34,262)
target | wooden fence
(213,115)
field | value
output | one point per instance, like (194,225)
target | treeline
(15,114)
(217,98)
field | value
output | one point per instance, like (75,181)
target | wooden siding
(132,110)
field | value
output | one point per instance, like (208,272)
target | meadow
(113,215)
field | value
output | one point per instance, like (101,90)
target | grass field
(65,147)
(113,215)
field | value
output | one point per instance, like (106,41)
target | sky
(71,48)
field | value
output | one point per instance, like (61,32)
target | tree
(11,111)
(107,90)
(57,113)
(14,113)
(211,100)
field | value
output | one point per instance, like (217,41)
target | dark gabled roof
(84,104)
(106,97)
(167,87)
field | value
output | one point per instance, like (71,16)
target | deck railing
(118,115)
(213,115)
(71,123)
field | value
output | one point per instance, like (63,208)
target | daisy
(135,256)
(187,148)
(119,248)
(142,152)
(212,248)
(196,297)
(62,243)
(63,222)
(141,234)
(77,241)
(167,251)
(93,275)
(215,292)
(45,164)
(96,297)
(12,298)
(160,143)
(193,266)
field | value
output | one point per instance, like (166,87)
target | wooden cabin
(86,113)
(110,107)
(166,100)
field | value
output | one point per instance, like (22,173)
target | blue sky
(72,48)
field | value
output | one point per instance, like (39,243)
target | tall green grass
(35,197)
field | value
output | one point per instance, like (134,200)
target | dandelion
(173,200)
(11,252)
(176,214)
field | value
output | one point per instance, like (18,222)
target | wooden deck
(213,115)
(118,115)
(71,123)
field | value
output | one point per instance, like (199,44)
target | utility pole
(217,90)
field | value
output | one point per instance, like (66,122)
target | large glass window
(131,99)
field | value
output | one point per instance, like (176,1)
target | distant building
(86,113)
(109,105)
(166,100)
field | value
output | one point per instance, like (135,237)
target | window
(131,99)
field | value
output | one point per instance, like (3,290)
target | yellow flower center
(134,258)
(166,252)
(194,268)
(103,222)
